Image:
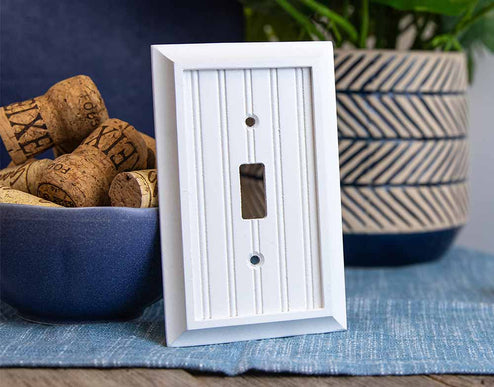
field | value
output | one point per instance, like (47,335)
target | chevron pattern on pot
(384,71)
(402,125)
(384,115)
(403,162)
(404,208)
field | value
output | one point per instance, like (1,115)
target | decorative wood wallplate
(249,191)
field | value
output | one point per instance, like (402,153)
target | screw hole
(256,260)
(250,121)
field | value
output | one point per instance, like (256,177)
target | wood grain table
(75,377)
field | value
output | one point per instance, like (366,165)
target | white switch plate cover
(203,94)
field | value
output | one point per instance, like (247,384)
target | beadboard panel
(287,240)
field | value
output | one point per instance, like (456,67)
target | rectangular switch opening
(253,191)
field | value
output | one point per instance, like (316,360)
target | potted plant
(401,72)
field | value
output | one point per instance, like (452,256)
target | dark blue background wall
(45,41)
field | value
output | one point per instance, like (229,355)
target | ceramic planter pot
(402,124)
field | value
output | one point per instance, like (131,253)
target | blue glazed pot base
(396,249)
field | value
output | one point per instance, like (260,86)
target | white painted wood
(203,95)
(270,272)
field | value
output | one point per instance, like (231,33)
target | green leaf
(333,16)
(364,28)
(475,31)
(480,33)
(303,20)
(445,7)
(471,65)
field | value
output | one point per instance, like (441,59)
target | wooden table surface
(74,377)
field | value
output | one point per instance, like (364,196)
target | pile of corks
(98,160)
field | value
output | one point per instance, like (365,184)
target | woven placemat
(428,318)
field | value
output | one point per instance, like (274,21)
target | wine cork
(66,147)
(13,196)
(24,177)
(138,189)
(82,178)
(61,149)
(151,145)
(67,112)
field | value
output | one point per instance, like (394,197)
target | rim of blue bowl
(80,209)
(12,211)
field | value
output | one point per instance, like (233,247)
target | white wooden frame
(169,63)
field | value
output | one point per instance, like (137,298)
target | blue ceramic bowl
(79,264)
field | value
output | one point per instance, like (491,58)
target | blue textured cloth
(428,318)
